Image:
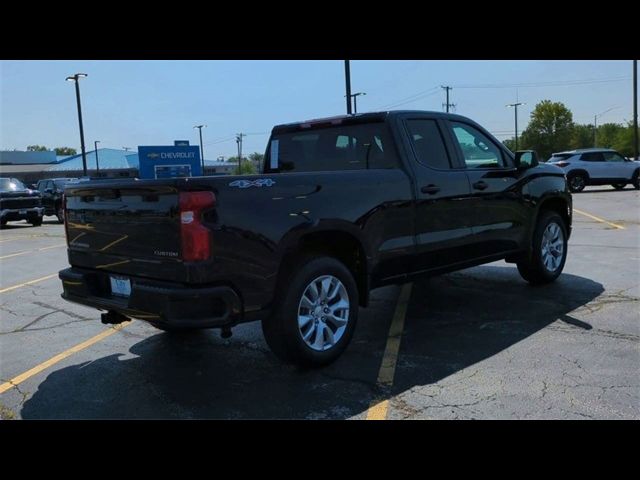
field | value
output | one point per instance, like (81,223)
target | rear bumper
(153,301)
(12,214)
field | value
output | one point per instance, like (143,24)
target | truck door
(500,215)
(443,219)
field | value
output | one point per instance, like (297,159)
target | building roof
(8,157)
(108,158)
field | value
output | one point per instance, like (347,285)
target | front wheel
(549,250)
(36,221)
(315,313)
(636,181)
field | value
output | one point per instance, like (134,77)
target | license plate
(22,212)
(120,286)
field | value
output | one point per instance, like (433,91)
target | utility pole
(239,142)
(199,127)
(635,110)
(347,79)
(75,78)
(95,144)
(447,105)
(516,105)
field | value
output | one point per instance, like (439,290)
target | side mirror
(526,159)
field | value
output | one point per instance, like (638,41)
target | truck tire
(577,182)
(549,250)
(36,221)
(315,314)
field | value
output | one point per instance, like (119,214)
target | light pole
(595,123)
(355,101)
(515,106)
(75,78)
(95,144)
(347,80)
(199,127)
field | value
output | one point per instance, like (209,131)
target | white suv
(597,166)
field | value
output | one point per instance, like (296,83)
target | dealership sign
(169,161)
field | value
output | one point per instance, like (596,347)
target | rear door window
(592,157)
(428,144)
(351,147)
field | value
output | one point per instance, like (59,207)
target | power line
(412,98)
(556,83)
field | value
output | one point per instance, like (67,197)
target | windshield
(11,184)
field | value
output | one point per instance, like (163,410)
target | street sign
(176,158)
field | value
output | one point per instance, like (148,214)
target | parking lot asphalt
(479,343)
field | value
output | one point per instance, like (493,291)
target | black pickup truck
(18,202)
(344,205)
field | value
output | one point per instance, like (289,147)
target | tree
(256,158)
(581,136)
(624,141)
(65,151)
(247,168)
(37,148)
(607,134)
(510,143)
(549,130)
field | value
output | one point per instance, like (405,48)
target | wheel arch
(341,244)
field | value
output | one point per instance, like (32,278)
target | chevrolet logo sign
(153,155)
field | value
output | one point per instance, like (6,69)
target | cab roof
(358,118)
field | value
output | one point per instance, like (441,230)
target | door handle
(480,185)
(430,189)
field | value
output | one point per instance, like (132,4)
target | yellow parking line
(598,219)
(31,251)
(30,282)
(58,358)
(379,408)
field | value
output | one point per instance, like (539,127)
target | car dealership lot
(480,343)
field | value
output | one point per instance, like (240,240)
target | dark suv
(18,202)
(52,190)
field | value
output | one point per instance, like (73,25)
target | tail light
(562,164)
(196,238)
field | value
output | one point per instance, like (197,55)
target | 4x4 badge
(261,182)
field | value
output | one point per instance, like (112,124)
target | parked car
(597,166)
(344,205)
(52,190)
(18,202)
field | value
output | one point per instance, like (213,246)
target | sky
(131,103)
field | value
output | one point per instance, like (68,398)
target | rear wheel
(636,180)
(36,221)
(548,250)
(577,182)
(315,313)
(619,186)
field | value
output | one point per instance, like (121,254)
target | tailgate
(129,227)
